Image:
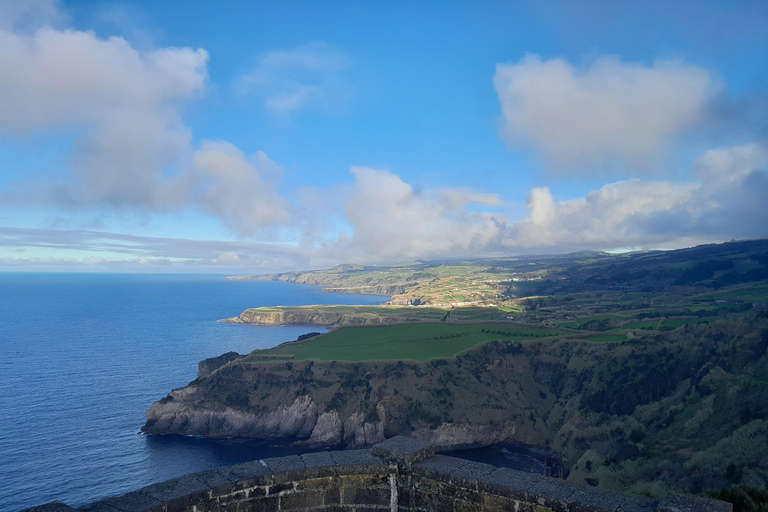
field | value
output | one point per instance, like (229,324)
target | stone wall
(399,474)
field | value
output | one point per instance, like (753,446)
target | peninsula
(644,372)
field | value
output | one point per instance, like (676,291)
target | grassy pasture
(475,314)
(751,292)
(606,338)
(642,324)
(674,323)
(418,342)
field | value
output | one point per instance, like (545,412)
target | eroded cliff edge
(675,409)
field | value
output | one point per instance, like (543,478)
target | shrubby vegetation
(744,499)
(643,372)
(685,409)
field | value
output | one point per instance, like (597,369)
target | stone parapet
(399,474)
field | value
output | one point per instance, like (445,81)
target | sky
(250,136)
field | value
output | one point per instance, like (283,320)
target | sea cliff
(682,404)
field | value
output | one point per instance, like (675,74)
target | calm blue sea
(84,356)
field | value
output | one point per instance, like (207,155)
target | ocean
(85,355)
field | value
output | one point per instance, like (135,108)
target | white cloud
(234,190)
(63,78)
(392,220)
(30,14)
(612,114)
(723,166)
(124,103)
(293,80)
(605,218)
(132,151)
(728,202)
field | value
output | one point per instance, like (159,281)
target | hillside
(450,283)
(644,372)
(683,409)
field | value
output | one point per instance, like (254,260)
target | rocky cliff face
(621,414)
(207,366)
(188,413)
(340,280)
(383,289)
(484,397)
(309,315)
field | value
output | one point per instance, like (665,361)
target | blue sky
(256,136)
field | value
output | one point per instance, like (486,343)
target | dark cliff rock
(384,289)
(207,366)
(683,404)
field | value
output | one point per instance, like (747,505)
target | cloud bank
(610,115)
(123,102)
(131,149)
(725,203)
(233,188)
(392,221)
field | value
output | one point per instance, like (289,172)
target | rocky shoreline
(604,408)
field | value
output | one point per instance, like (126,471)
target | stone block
(220,483)
(403,450)
(286,469)
(247,474)
(405,498)
(467,475)
(316,484)
(448,492)
(281,488)
(179,493)
(377,480)
(317,459)
(679,502)
(137,501)
(301,500)
(438,467)
(54,506)
(509,483)
(267,504)
(367,496)
(332,495)
(318,464)
(552,493)
(98,506)
(351,462)
(592,499)
(493,503)
(212,478)
(432,496)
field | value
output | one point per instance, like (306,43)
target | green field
(751,292)
(674,323)
(606,338)
(401,342)
(475,314)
